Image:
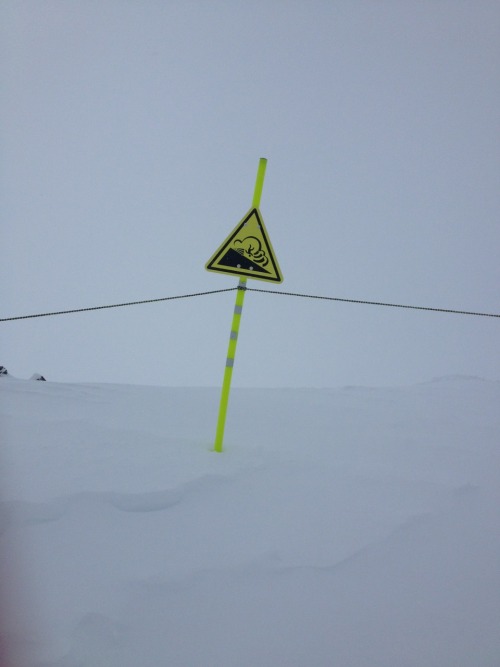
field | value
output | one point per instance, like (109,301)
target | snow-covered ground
(350,527)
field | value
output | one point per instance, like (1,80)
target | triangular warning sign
(247,252)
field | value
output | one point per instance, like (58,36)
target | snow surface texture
(355,527)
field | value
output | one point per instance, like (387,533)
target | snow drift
(355,527)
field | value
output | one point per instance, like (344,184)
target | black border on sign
(245,273)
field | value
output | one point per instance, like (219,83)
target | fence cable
(115,305)
(252,289)
(374,303)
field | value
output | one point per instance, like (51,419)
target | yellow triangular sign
(247,252)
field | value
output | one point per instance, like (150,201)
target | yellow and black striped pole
(235,326)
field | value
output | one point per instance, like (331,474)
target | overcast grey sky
(131,134)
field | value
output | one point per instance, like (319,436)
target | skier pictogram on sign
(247,251)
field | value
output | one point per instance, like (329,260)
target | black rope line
(373,303)
(252,289)
(116,305)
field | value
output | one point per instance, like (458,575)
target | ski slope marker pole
(235,326)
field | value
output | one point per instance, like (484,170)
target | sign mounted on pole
(247,252)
